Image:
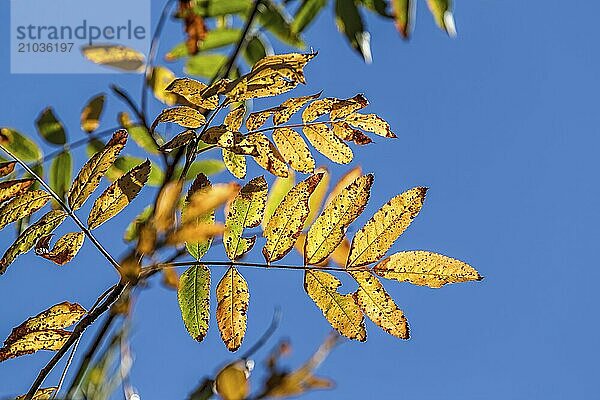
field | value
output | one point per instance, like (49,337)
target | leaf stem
(66,208)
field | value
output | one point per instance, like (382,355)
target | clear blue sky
(501,124)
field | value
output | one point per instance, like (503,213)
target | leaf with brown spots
(194,92)
(294,150)
(118,195)
(235,163)
(424,268)
(340,310)
(378,305)
(22,206)
(184,116)
(10,189)
(246,211)
(52,339)
(381,231)
(232,304)
(371,123)
(64,250)
(268,156)
(287,221)
(326,143)
(193,295)
(290,107)
(93,170)
(233,121)
(179,140)
(342,108)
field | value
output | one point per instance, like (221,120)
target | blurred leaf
(207,167)
(404,15)
(277,21)
(214,39)
(377,6)
(50,128)
(442,14)
(198,249)
(280,188)
(205,65)
(126,163)
(350,22)
(160,78)
(306,14)
(90,115)
(232,383)
(20,145)
(215,8)
(256,48)
(61,170)
(142,138)
(133,229)
(118,57)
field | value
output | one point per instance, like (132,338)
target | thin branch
(67,209)
(66,369)
(75,335)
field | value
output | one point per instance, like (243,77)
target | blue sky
(501,124)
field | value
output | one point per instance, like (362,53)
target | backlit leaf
(26,240)
(246,211)
(41,394)
(377,304)
(344,107)
(316,199)
(294,150)
(193,91)
(275,19)
(20,145)
(193,295)
(6,168)
(404,14)
(21,206)
(204,202)
(268,156)
(339,309)
(306,13)
(326,143)
(280,188)
(166,204)
(329,229)
(124,164)
(232,304)
(90,115)
(317,108)
(290,107)
(65,248)
(381,231)
(233,120)
(10,189)
(195,233)
(118,195)
(344,181)
(205,65)
(89,176)
(114,56)
(52,339)
(50,128)
(287,221)
(61,169)
(370,123)
(181,115)
(198,249)
(143,138)
(235,163)
(424,268)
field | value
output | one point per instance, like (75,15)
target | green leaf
(142,138)
(133,229)
(377,6)
(349,21)
(50,128)
(20,145)
(404,14)
(205,65)
(124,164)
(277,21)
(255,49)
(442,14)
(193,295)
(206,167)
(199,249)
(61,170)
(215,8)
(214,39)
(306,14)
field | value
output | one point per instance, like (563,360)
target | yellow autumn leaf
(194,92)
(10,189)
(65,248)
(340,310)
(195,233)
(290,107)
(178,141)
(89,176)
(205,201)
(231,383)
(268,156)
(235,163)
(289,66)
(279,189)
(342,108)
(317,108)
(233,297)
(197,249)
(184,116)
(118,195)
(258,118)
(41,394)
(442,14)
(287,221)
(234,119)
(22,206)
(370,123)
(90,115)
(51,339)
(424,268)
(114,56)
(329,229)
(343,182)
(246,211)
(27,239)
(378,305)
(379,233)
(7,167)
(160,78)
(294,150)
(326,143)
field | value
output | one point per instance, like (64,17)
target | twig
(67,209)
(75,335)
(66,369)
(265,336)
